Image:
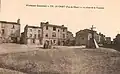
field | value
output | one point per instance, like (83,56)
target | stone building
(10,32)
(70,39)
(102,38)
(116,42)
(31,35)
(108,40)
(83,37)
(55,34)
(69,35)
(117,39)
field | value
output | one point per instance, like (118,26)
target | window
(33,40)
(46,27)
(51,41)
(30,30)
(46,35)
(58,30)
(54,41)
(54,28)
(38,31)
(63,30)
(63,35)
(30,35)
(82,38)
(35,35)
(3,31)
(2,25)
(38,35)
(53,34)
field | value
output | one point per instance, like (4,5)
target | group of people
(47,45)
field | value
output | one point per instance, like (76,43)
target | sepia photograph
(59,37)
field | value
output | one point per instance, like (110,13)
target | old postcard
(59,37)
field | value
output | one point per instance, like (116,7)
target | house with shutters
(31,35)
(55,34)
(10,32)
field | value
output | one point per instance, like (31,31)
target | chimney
(62,25)
(18,21)
(41,24)
(26,25)
(47,22)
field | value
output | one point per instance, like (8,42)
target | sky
(105,20)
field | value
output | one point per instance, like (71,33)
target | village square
(52,49)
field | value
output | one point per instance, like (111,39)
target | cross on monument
(92,27)
(92,31)
(93,43)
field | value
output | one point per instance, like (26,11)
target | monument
(91,40)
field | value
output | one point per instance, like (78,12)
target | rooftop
(47,24)
(9,22)
(69,32)
(32,26)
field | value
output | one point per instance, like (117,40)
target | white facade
(55,34)
(9,32)
(32,35)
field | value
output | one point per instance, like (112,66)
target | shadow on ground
(113,46)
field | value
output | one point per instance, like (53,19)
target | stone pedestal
(92,44)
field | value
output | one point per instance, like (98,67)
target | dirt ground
(7,71)
(62,60)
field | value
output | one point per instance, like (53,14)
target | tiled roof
(9,22)
(85,31)
(33,27)
(47,24)
(55,26)
(69,32)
